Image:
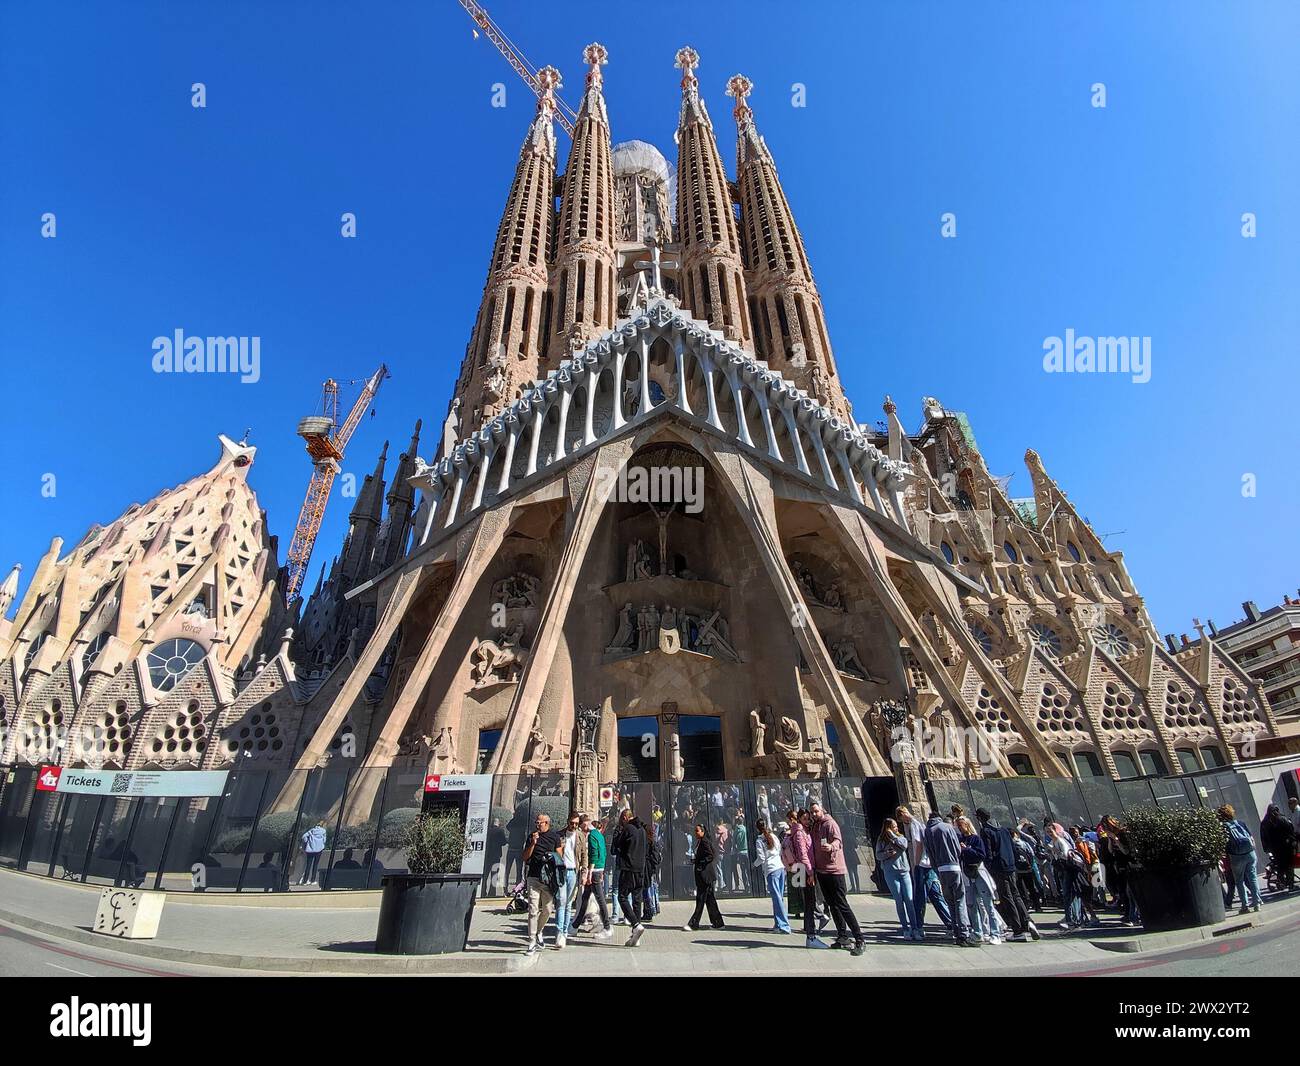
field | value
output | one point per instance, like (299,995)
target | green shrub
(435,844)
(272,834)
(1167,837)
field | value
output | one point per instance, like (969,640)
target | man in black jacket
(1001,864)
(630,847)
(706,872)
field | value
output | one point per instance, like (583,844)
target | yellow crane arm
(326,451)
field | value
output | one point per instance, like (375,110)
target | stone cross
(655,265)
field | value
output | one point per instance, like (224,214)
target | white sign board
(132,784)
(129,913)
(477,816)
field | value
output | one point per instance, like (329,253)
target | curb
(1180,937)
(467,964)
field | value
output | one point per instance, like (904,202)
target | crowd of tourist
(983,880)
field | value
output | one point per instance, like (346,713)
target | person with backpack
(1028,880)
(1067,865)
(770,863)
(540,861)
(1000,861)
(1086,872)
(1242,858)
(630,847)
(592,877)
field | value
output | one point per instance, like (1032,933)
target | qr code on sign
(121,785)
(476,826)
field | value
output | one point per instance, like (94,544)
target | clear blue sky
(1122,221)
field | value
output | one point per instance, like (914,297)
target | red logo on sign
(48,779)
(432,782)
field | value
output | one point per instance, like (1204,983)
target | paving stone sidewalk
(329,940)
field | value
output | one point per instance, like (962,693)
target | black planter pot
(1178,898)
(425,914)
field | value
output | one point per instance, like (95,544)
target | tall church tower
(505,351)
(785,307)
(712,271)
(583,294)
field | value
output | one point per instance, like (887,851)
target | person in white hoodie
(313,843)
(768,848)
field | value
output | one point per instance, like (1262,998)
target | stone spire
(788,320)
(505,350)
(582,300)
(401,506)
(367,513)
(712,270)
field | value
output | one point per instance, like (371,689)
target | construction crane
(564,114)
(325,440)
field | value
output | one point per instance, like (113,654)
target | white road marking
(66,970)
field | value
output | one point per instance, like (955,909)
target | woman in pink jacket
(797,854)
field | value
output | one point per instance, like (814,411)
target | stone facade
(654,543)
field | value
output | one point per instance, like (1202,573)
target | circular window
(171,660)
(982,636)
(1046,639)
(1112,640)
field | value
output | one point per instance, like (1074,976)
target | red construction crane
(325,440)
(564,114)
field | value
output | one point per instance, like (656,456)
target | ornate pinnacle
(889,406)
(686,60)
(548,81)
(740,87)
(595,56)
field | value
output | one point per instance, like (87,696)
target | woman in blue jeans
(768,849)
(891,854)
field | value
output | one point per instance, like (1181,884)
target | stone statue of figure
(676,768)
(845,653)
(832,598)
(789,740)
(451,428)
(625,636)
(444,752)
(757,732)
(498,660)
(539,748)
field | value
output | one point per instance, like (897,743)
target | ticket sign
(131,784)
(477,811)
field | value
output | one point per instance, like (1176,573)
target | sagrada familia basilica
(844,598)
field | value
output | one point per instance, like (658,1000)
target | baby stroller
(517,900)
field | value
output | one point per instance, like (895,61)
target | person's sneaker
(840,945)
(638,931)
(541,941)
(1064,926)
(1244,910)
(688,928)
(718,926)
(823,920)
(918,935)
(531,949)
(1255,909)
(1033,932)
(1018,938)
(560,941)
(815,942)
(995,940)
(858,948)
(604,934)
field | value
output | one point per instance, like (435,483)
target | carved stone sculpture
(444,752)
(517,590)
(789,739)
(625,635)
(676,768)
(757,733)
(499,660)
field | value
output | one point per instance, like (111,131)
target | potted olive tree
(1176,852)
(427,910)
